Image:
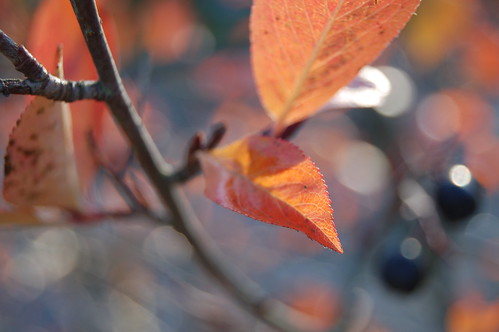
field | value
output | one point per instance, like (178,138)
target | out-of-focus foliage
(473,313)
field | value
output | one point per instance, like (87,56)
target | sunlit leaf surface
(304,51)
(271,180)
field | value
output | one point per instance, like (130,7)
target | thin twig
(158,172)
(54,88)
(216,134)
(116,178)
(191,166)
(40,82)
(86,218)
(22,60)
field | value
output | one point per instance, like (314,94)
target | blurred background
(413,182)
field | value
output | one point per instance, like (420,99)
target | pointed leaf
(303,51)
(40,167)
(271,180)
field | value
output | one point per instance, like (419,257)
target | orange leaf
(40,167)
(304,51)
(473,313)
(271,180)
(480,63)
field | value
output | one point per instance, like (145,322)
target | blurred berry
(403,269)
(458,195)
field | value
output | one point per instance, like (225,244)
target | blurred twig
(116,178)
(79,217)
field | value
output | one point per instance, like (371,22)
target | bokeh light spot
(401,96)
(363,168)
(460,175)
(438,117)
(410,248)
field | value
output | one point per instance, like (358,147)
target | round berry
(458,195)
(403,269)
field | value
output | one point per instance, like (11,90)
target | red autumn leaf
(304,51)
(271,180)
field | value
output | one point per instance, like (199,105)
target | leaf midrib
(306,69)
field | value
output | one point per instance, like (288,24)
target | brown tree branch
(54,88)
(159,173)
(40,82)
(110,89)
(21,59)
(118,100)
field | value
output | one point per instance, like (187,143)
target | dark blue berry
(402,274)
(404,266)
(457,201)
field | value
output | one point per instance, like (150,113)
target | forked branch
(161,174)
(39,81)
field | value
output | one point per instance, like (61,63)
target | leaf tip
(271,180)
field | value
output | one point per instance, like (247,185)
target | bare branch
(40,82)
(160,175)
(21,59)
(118,101)
(54,88)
